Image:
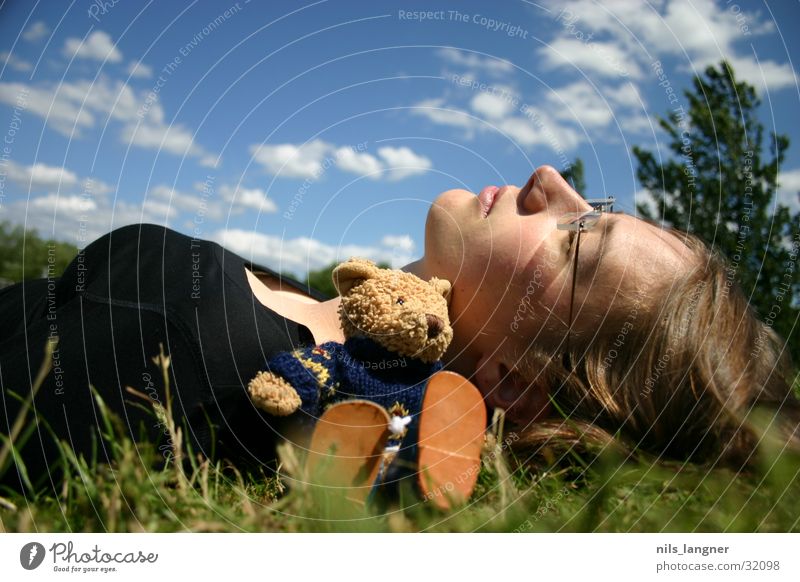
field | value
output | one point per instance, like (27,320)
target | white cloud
(194,203)
(534,127)
(637,124)
(95,187)
(354,162)
(475,62)
(203,201)
(520,130)
(594,108)
(210,161)
(301,254)
(59,113)
(310,160)
(625,94)
(789,189)
(70,205)
(402,242)
(140,70)
(175,139)
(540,129)
(103,96)
(255,198)
(562,117)
(81,219)
(436,110)
(15,62)
(162,211)
(697,32)
(292,161)
(763,73)
(72,107)
(44,175)
(97,46)
(493,105)
(630,108)
(40,176)
(402,162)
(243,198)
(580,102)
(36,31)
(607,59)
(76,103)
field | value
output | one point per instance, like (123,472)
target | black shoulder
(145,232)
(118,258)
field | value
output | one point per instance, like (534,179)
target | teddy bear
(396,328)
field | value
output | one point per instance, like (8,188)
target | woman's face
(511,271)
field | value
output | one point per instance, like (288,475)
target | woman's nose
(547,191)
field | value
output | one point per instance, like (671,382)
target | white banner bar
(413,557)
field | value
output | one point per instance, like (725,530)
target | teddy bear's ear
(442,286)
(352,272)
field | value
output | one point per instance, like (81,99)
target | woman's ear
(351,273)
(523,400)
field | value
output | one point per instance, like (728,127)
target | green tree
(721,184)
(322,281)
(574,176)
(25,255)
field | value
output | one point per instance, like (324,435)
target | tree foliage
(574,177)
(25,255)
(721,184)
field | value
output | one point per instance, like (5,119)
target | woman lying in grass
(580,323)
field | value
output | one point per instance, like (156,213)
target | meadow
(607,492)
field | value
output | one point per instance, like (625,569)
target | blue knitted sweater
(359,368)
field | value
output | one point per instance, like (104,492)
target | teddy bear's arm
(303,378)
(272,393)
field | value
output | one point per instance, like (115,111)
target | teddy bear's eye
(400,300)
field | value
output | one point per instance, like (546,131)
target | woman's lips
(486,198)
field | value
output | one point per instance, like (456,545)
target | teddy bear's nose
(435,325)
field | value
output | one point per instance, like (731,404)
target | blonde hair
(684,381)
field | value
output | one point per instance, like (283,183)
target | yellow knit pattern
(320,371)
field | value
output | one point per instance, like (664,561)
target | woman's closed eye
(571,234)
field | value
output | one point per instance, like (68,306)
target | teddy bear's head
(400,311)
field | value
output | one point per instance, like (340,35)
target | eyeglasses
(579,222)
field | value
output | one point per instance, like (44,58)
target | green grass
(608,494)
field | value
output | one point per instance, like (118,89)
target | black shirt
(125,293)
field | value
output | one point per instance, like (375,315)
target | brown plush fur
(393,308)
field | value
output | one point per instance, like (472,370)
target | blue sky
(301,133)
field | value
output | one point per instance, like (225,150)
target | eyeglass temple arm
(599,204)
(574,275)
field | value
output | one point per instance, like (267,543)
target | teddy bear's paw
(273,394)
